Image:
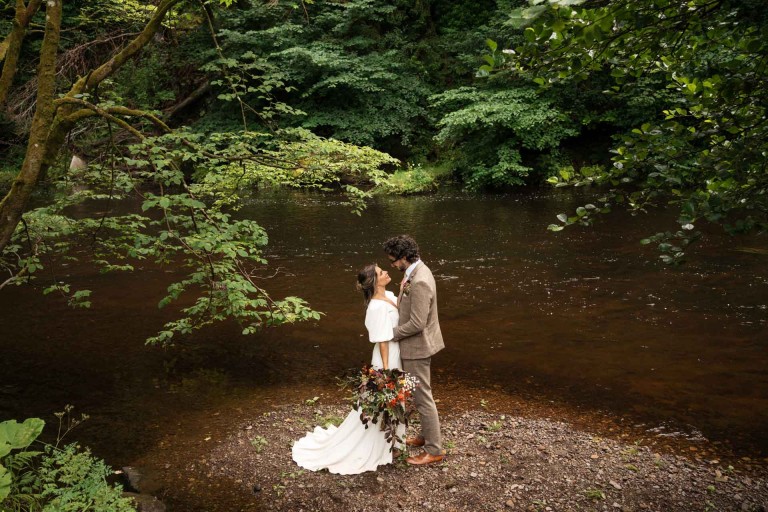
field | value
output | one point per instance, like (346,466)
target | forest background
(189,104)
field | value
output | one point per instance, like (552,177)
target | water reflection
(584,314)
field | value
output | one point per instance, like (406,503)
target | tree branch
(109,113)
(92,80)
(198,93)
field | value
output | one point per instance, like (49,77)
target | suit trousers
(425,404)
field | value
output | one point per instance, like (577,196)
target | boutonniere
(406,288)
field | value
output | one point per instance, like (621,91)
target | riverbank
(497,460)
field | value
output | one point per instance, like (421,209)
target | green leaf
(14,436)
(530,34)
(491,44)
(754,45)
(5,483)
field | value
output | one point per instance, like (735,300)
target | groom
(420,338)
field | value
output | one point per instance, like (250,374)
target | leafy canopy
(187,182)
(706,151)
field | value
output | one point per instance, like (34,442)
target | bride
(351,448)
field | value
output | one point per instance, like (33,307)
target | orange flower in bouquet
(383,397)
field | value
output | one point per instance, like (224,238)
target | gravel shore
(495,462)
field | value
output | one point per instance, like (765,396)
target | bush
(415,179)
(68,479)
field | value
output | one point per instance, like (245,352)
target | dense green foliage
(493,128)
(373,97)
(706,151)
(396,76)
(188,224)
(187,184)
(348,68)
(53,479)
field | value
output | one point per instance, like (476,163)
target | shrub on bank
(53,479)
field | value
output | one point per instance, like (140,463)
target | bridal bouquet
(384,397)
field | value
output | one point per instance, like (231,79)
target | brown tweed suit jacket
(419,330)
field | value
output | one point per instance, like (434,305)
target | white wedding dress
(351,448)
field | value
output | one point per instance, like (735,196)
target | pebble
(682,479)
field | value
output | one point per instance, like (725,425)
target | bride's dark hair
(366,281)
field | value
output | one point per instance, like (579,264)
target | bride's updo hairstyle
(366,282)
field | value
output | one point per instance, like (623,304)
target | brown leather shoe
(424,458)
(415,441)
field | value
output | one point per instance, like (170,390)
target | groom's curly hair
(402,246)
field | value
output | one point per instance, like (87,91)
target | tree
(187,183)
(350,67)
(494,126)
(706,151)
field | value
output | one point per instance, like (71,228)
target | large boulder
(141,480)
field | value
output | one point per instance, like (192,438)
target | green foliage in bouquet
(383,397)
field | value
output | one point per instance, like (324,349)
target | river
(586,316)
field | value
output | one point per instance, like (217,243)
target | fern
(53,480)
(24,491)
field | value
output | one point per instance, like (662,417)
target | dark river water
(587,316)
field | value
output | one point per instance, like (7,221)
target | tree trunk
(10,48)
(15,202)
(48,132)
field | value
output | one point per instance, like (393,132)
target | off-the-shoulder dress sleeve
(378,323)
